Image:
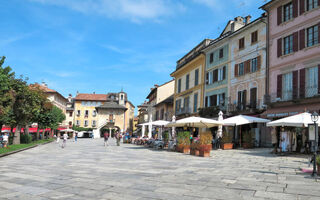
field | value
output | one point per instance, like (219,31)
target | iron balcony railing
(294,94)
(184,110)
(245,106)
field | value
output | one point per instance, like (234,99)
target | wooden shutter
(214,100)
(215,75)
(236,70)
(259,62)
(295,8)
(239,98)
(302,83)
(206,102)
(279,15)
(295,41)
(295,84)
(224,99)
(319,78)
(279,49)
(302,39)
(279,86)
(253,97)
(224,73)
(247,66)
(302,5)
(244,99)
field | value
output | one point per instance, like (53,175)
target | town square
(160,99)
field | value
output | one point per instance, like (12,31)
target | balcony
(184,110)
(243,107)
(295,95)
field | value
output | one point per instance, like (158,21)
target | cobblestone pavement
(88,170)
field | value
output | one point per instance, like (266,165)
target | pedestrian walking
(58,138)
(106,137)
(65,137)
(76,136)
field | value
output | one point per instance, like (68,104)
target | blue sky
(104,45)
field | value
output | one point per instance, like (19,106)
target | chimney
(44,84)
(77,93)
(247,19)
(156,85)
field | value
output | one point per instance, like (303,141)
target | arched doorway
(109,129)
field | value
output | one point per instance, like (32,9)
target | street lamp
(314,118)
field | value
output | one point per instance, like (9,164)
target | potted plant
(226,142)
(247,140)
(183,139)
(318,164)
(205,144)
(194,148)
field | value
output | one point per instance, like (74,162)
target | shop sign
(272,115)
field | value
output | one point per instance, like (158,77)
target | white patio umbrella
(150,127)
(143,130)
(299,120)
(242,120)
(67,130)
(198,122)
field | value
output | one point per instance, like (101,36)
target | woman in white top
(65,137)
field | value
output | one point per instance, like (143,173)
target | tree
(7,95)
(27,104)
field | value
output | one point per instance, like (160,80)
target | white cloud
(134,10)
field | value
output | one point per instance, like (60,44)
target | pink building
(293,57)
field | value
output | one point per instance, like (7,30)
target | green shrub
(183,137)
(25,139)
(318,160)
(165,136)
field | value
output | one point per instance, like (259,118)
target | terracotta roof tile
(41,87)
(91,97)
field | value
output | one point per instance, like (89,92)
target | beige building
(189,81)
(101,112)
(55,98)
(164,103)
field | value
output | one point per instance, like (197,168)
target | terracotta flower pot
(205,150)
(227,146)
(194,152)
(186,149)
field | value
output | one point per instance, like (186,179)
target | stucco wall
(166,90)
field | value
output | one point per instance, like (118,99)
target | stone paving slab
(88,170)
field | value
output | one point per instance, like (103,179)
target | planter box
(186,150)
(227,146)
(205,150)
(194,152)
(247,145)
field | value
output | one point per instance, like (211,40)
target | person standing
(274,140)
(76,136)
(5,140)
(65,137)
(106,137)
(118,138)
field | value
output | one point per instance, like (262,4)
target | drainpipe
(267,56)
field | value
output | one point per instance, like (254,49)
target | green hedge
(25,139)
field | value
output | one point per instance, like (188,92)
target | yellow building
(110,111)
(189,82)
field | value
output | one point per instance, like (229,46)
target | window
(195,102)
(162,114)
(220,74)
(311,82)
(196,77)
(78,113)
(186,104)
(220,99)
(287,12)
(253,97)
(254,37)
(242,96)
(94,113)
(288,44)
(70,114)
(211,58)
(86,113)
(86,122)
(211,77)
(157,115)
(178,105)
(311,4)
(241,43)
(78,122)
(93,123)
(122,97)
(213,100)
(187,81)
(241,69)
(287,86)
(312,36)
(254,65)
(179,85)
(221,53)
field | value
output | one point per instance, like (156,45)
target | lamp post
(314,118)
